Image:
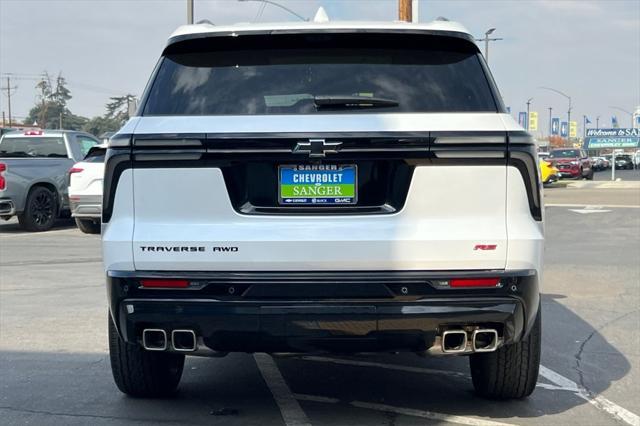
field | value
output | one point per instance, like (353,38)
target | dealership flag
(555,126)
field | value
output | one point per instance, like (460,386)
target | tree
(117,113)
(51,109)
(118,108)
(100,125)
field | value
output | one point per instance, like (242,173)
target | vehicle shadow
(378,380)
(231,390)
(13,227)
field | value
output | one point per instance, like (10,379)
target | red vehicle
(572,163)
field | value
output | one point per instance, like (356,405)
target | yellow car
(548,173)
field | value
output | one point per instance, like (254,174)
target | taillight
(474,282)
(75,170)
(158,283)
(3,182)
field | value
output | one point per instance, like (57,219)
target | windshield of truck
(47,147)
(436,76)
(565,153)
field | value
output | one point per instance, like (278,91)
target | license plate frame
(348,171)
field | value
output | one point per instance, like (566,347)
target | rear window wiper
(349,101)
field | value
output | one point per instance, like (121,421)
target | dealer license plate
(318,184)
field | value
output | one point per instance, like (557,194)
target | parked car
(599,163)
(624,162)
(33,174)
(572,163)
(636,159)
(303,178)
(548,172)
(85,190)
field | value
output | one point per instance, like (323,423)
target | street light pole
(486,40)
(189,12)
(528,118)
(597,122)
(568,111)
(550,120)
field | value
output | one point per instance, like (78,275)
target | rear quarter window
(49,147)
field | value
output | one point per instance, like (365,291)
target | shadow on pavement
(13,227)
(51,384)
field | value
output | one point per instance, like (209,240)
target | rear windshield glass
(565,153)
(287,81)
(49,147)
(96,155)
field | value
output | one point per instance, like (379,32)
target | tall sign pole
(404,10)
(189,11)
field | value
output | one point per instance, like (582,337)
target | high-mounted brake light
(3,182)
(75,170)
(157,283)
(474,282)
(33,133)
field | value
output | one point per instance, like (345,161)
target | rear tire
(512,370)
(590,175)
(88,226)
(141,373)
(40,210)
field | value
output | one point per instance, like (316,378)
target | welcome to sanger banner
(612,138)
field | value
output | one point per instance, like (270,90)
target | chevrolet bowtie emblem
(317,148)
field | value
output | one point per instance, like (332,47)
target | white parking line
(41,234)
(560,383)
(594,206)
(290,409)
(428,414)
(597,401)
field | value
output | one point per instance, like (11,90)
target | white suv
(323,187)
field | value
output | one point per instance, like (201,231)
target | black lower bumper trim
(394,323)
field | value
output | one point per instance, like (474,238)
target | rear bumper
(261,318)
(86,206)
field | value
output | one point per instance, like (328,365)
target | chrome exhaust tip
(154,339)
(454,341)
(184,340)
(485,340)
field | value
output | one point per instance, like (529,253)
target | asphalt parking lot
(54,366)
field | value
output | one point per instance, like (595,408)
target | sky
(590,50)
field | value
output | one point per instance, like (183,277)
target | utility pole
(60,121)
(404,10)
(486,40)
(550,122)
(2,118)
(528,118)
(8,88)
(190,12)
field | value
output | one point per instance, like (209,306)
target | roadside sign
(612,138)
(555,126)
(573,129)
(533,121)
(563,129)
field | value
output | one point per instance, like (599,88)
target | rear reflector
(474,282)
(75,170)
(164,283)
